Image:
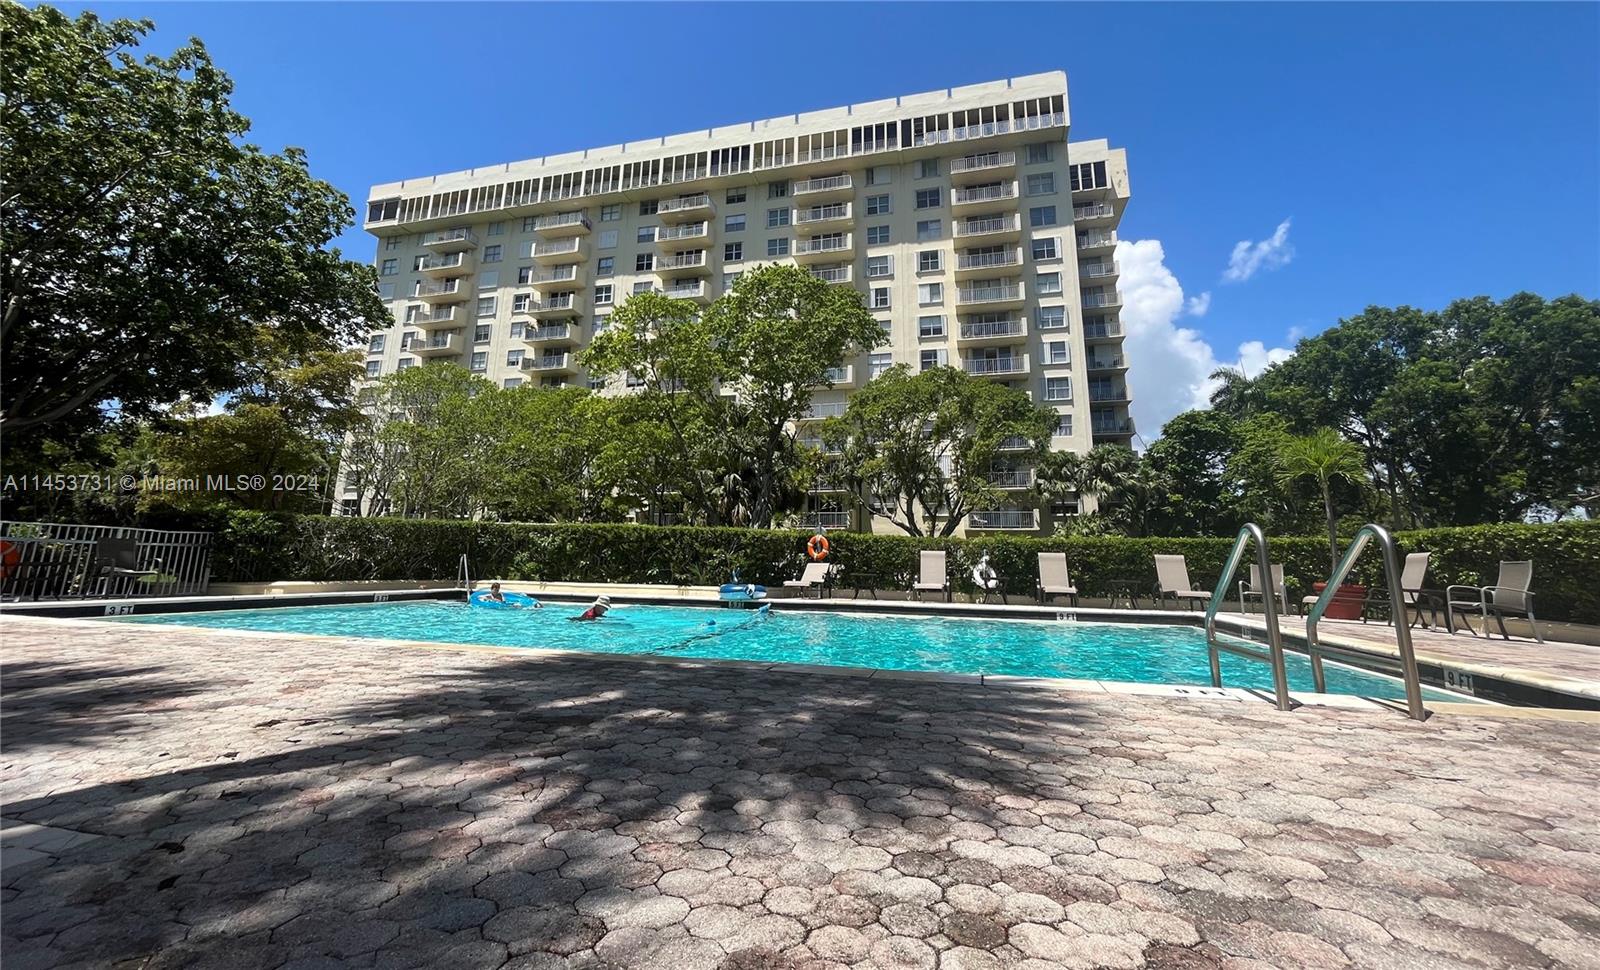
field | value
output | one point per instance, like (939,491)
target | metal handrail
(1397,613)
(1274,654)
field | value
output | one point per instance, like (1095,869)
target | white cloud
(1170,366)
(1249,257)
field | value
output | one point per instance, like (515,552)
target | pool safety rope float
(481,598)
(817,547)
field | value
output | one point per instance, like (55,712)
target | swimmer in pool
(596,610)
(494,594)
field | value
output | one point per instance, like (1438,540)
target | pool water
(1097,651)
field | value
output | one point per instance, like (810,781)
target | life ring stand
(817,547)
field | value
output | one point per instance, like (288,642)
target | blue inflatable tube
(481,598)
(741,592)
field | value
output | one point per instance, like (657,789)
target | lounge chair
(1509,596)
(1250,587)
(1412,575)
(933,576)
(812,577)
(117,565)
(1053,578)
(1172,582)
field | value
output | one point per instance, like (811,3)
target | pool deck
(196,798)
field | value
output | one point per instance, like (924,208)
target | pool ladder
(1273,655)
(465,576)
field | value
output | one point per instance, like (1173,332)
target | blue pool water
(1098,651)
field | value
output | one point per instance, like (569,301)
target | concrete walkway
(240,801)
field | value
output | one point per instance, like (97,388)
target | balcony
(450,240)
(979,194)
(1114,428)
(825,520)
(566,276)
(688,291)
(682,237)
(824,247)
(841,376)
(971,168)
(1009,477)
(986,330)
(551,364)
(823,215)
(1106,365)
(555,306)
(993,227)
(1004,520)
(444,264)
(1107,394)
(821,412)
(816,443)
(548,333)
(439,317)
(970,264)
(438,345)
(1101,299)
(1100,270)
(1099,239)
(828,187)
(834,274)
(692,262)
(1015,443)
(1093,212)
(686,209)
(820,486)
(443,291)
(1105,331)
(1009,365)
(556,251)
(991,294)
(562,224)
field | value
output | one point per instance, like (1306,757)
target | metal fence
(55,560)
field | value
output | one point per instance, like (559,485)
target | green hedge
(255,546)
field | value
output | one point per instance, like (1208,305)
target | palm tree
(1325,458)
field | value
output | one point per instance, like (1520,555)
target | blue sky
(1419,152)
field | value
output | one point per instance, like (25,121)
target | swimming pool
(1026,648)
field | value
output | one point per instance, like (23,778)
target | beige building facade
(979,236)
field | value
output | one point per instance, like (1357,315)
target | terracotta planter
(1347,600)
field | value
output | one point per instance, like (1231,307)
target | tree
(1192,453)
(548,452)
(1325,459)
(919,449)
(728,384)
(149,249)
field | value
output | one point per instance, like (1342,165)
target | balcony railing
(1015,443)
(450,239)
(1102,330)
(441,288)
(556,274)
(831,183)
(831,409)
(1004,519)
(686,291)
(979,163)
(692,260)
(989,294)
(1105,363)
(685,204)
(1107,395)
(1093,301)
(989,225)
(837,375)
(448,261)
(833,274)
(825,520)
(692,230)
(556,247)
(988,366)
(983,193)
(550,331)
(1092,210)
(1124,426)
(816,443)
(1007,257)
(822,213)
(558,302)
(1092,271)
(547,362)
(436,315)
(1095,240)
(981,329)
(1009,477)
(823,244)
(561,220)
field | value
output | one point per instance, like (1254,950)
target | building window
(514,358)
(602,295)
(608,239)
(649,207)
(777,190)
(1049,283)
(878,175)
(480,361)
(643,286)
(928,230)
(927,198)
(528,223)
(485,306)
(1039,154)
(777,217)
(930,261)
(489,279)
(645,234)
(1042,215)
(733,223)
(1042,183)
(374,367)
(1062,510)
(644,262)
(930,293)
(385,291)
(877,235)
(878,205)
(880,298)
(520,302)
(878,363)
(1063,426)
(1046,250)
(778,247)
(516,330)
(511,383)
(1058,388)
(405,363)
(930,359)
(482,333)
(601,325)
(611,213)
(391,244)
(389,267)
(1057,352)
(375,345)
(496,229)
(1052,318)
(879,267)
(524,275)
(928,168)
(732,252)
(1089,175)
(930,326)
(734,196)
(606,266)
(728,279)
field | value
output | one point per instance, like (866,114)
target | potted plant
(1325,458)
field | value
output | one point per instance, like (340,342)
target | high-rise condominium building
(978,235)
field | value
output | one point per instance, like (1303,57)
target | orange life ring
(817,547)
(10,555)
